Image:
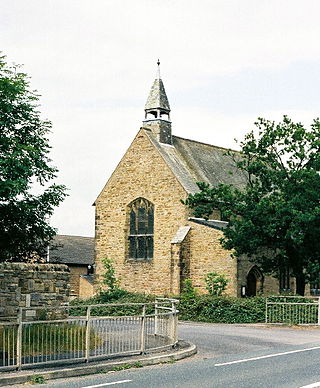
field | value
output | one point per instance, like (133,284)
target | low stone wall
(32,285)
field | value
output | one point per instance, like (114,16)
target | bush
(223,309)
(117,296)
(216,283)
(192,306)
(109,277)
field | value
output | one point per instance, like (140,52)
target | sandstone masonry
(32,285)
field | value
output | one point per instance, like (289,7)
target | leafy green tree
(275,218)
(24,162)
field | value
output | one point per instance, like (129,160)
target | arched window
(141,220)
(284,279)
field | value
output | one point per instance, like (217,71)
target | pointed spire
(157,110)
(157,98)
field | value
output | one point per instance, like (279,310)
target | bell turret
(157,111)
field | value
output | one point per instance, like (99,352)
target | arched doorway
(254,282)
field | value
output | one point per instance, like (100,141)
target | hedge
(201,308)
(222,309)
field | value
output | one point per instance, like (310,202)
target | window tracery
(141,225)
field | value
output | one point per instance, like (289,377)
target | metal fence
(86,332)
(293,310)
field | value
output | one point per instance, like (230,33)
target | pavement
(182,350)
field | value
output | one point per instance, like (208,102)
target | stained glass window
(141,224)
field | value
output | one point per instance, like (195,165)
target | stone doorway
(254,282)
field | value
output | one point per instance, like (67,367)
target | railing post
(87,345)
(156,318)
(19,340)
(266,318)
(143,330)
(319,311)
(174,322)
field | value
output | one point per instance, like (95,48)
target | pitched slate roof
(192,162)
(72,250)
(215,224)
(157,97)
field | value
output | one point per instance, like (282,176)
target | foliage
(117,297)
(188,291)
(216,283)
(24,162)
(194,307)
(37,379)
(109,277)
(275,218)
(223,309)
(136,364)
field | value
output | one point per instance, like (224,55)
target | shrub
(188,291)
(208,308)
(109,277)
(118,296)
(216,283)
(192,306)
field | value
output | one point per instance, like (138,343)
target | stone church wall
(207,255)
(270,284)
(141,173)
(32,285)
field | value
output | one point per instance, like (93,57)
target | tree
(24,162)
(275,218)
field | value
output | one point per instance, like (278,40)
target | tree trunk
(300,284)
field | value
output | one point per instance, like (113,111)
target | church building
(144,228)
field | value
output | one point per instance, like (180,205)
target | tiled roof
(192,162)
(72,250)
(157,97)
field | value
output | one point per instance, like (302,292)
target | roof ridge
(201,142)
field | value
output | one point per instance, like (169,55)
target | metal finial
(158,63)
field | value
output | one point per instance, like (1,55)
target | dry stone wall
(32,285)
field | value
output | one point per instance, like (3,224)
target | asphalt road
(229,356)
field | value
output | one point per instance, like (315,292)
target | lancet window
(141,224)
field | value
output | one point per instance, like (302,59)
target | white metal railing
(293,310)
(43,336)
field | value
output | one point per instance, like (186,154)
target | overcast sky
(223,62)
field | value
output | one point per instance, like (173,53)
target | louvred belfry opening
(157,111)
